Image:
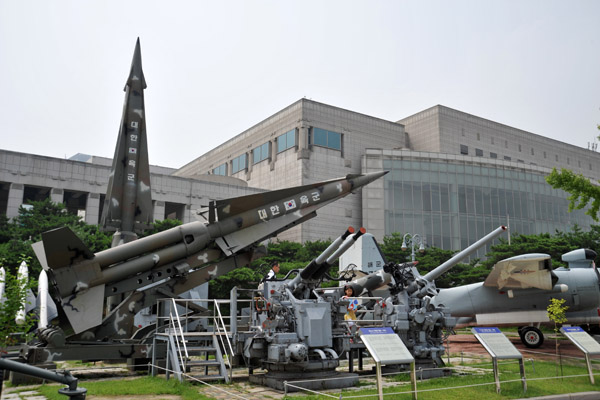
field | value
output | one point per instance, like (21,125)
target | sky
(216,68)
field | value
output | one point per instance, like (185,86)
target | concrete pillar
(303,147)
(57,195)
(92,209)
(159,211)
(15,199)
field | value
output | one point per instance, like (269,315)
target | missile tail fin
(62,248)
(84,309)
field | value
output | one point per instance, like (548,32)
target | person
(353,304)
(273,272)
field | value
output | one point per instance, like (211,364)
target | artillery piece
(299,330)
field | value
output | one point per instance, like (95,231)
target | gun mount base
(317,380)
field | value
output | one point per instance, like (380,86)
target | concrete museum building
(454,177)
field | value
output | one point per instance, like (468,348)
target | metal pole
(589,366)
(379,380)
(496,374)
(413,380)
(522,367)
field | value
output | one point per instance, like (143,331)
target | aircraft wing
(522,272)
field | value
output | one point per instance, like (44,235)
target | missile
(22,278)
(128,203)
(78,278)
(43,299)
(2,285)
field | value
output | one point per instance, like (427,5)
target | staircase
(196,355)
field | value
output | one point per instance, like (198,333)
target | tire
(531,337)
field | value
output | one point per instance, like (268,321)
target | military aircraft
(516,292)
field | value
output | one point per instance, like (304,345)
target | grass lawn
(137,386)
(478,387)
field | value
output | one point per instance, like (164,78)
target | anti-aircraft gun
(409,309)
(298,331)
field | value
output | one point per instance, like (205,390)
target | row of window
(317,137)
(479,153)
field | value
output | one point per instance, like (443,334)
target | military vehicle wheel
(531,337)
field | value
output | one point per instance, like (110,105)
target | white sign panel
(385,346)
(496,343)
(581,339)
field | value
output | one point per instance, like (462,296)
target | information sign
(585,343)
(385,346)
(496,343)
(581,339)
(499,347)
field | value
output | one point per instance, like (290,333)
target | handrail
(174,306)
(224,328)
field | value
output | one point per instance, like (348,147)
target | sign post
(585,343)
(386,348)
(499,347)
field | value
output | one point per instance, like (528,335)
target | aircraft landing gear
(531,336)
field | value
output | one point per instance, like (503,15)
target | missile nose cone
(136,75)
(364,179)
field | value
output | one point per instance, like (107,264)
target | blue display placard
(377,331)
(486,330)
(572,329)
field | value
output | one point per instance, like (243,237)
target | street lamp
(413,240)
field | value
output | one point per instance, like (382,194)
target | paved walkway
(21,393)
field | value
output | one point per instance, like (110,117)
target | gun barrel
(315,264)
(345,246)
(370,282)
(439,271)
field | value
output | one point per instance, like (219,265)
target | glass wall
(260,153)
(286,141)
(324,138)
(239,164)
(220,170)
(454,204)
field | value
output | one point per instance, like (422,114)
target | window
(239,164)
(492,140)
(556,157)
(462,132)
(286,141)
(544,154)
(506,144)
(478,136)
(220,170)
(479,152)
(332,140)
(519,148)
(493,155)
(507,158)
(532,153)
(568,161)
(464,149)
(260,153)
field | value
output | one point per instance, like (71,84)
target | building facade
(82,186)
(453,177)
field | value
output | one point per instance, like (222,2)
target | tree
(582,191)
(17,236)
(557,312)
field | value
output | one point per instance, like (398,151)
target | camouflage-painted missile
(79,278)
(128,203)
